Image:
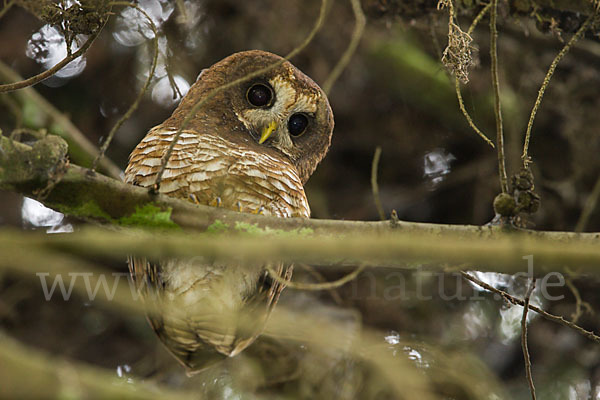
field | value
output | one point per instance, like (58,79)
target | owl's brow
(246,78)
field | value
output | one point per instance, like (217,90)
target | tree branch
(28,373)
(515,301)
(84,194)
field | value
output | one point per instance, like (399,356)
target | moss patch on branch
(149,216)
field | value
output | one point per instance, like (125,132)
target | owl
(250,148)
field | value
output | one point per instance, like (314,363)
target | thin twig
(524,339)
(143,90)
(478,18)
(174,87)
(359,26)
(538,100)
(579,303)
(9,87)
(316,286)
(497,105)
(246,78)
(577,313)
(319,277)
(461,103)
(589,207)
(513,300)
(374,185)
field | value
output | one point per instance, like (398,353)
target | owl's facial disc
(278,111)
(281,112)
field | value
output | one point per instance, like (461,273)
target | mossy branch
(82,193)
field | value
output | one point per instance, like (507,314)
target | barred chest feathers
(213,171)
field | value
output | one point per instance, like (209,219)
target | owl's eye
(297,124)
(259,95)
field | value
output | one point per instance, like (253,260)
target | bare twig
(316,286)
(478,18)
(497,105)
(589,207)
(9,87)
(214,92)
(319,277)
(359,26)
(524,346)
(525,156)
(461,103)
(374,185)
(143,90)
(579,303)
(513,300)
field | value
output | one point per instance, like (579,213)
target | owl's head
(281,112)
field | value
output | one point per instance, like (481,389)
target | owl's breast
(211,170)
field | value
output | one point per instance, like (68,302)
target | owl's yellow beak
(267,131)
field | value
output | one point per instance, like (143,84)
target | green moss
(251,229)
(217,227)
(504,205)
(89,209)
(149,216)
